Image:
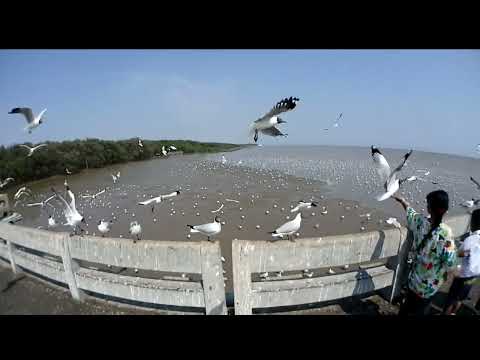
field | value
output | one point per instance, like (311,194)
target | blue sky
(422,99)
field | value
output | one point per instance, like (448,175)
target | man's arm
(403,202)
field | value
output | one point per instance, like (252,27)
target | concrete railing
(361,263)
(76,261)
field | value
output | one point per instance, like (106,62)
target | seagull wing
(206,228)
(34,204)
(383,169)
(402,164)
(72,199)
(39,146)
(26,147)
(25,111)
(148,202)
(284,105)
(68,208)
(475,182)
(286,228)
(41,113)
(101,192)
(272,131)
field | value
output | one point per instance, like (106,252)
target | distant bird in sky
(94,196)
(288,228)
(31,150)
(73,217)
(209,229)
(475,182)
(135,230)
(392,184)
(268,122)
(336,123)
(302,205)
(5,182)
(33,121)
(158,199)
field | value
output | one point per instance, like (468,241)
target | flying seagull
(164,152)
(43,203)
(172,148)
(336,124)
(33,121)
(5,182)
(158,199)
(68,172)
(209,229)
(93,196)
(22,191)
(31,150)
(268,122)
(392,184)
(302,204)
(475,182)
(73,217)
(140,143)
(288,228)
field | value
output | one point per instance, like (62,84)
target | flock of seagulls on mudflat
(267,125)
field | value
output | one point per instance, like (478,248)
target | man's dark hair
(475,220)
(438,200)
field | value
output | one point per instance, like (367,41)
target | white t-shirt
(471,263)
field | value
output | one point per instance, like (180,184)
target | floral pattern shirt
(432,262)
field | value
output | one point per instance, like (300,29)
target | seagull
(288,228)
(394,222)
(135,229)
(93,197)
(73,217)
(115,177)
(51,222)
(140,143)
(267,123)
(5,182)
(22,191)
(392,184)
(31,150)
(220,208)
(164,152)
(224,160)
(68,171)
(471,178)
(302,204)
(43,203)
(104,227)
(335,124)
(33,121)
(470,203)
(172,148)
(158,199)
(209,229)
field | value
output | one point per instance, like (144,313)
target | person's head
(437,202)
(475,220)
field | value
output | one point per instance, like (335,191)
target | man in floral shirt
(434,253)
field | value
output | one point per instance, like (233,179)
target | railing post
(242,279)
(11,250)
(212,279)
(70,266)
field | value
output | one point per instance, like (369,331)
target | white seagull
(335,124)
(94,196)
(104,227)
(302,204)
(209,229)
(22,191)
(135,229)
(51,222)
(31,150)
(68,172)
(392,184)
(140,143)
(5,182)
(33,121)
(115,177)
(470,203)
(164,152)
(288,228)
(268,122)
(43,203)
(172,148)
(158,199)
(73,217)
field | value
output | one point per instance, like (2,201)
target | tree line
(78,154)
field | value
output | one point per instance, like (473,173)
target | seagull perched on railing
(209,229)
(268,122)
(73,217)
(135,229)
(392,184)
(33,121)
(158,199)
(288,228)
(104,227)
(5,182)
(31,150)
(302,204)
